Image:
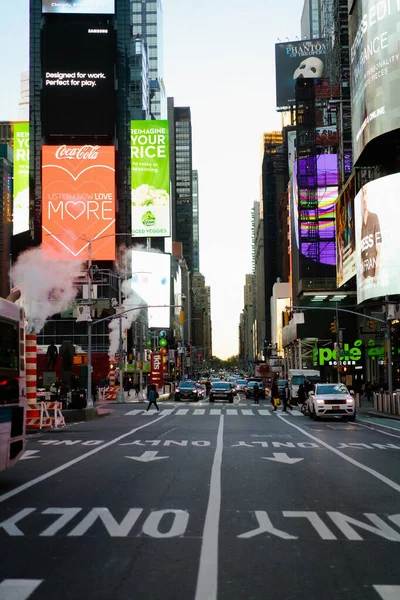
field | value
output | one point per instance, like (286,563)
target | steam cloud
(131,299)
(47,287)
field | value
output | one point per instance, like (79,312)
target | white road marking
(215,411)
(282,457)
(168,411)
(379,425)
(182,411)
(18,589)
(29,454)
(264,413)
(132,413)
(207,580)
(29,484)
(232,411)
(388,592)
(372,472)
(147,456)
(247,412)
(199,411)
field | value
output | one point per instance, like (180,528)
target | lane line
(18,589)
(378,424)
(207,579)
(29,484)
(379,430)
(372,472)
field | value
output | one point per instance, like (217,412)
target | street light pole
(389,349)
(89,330)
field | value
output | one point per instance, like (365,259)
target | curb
(382,415)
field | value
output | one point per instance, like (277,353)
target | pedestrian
(368,391)
(275,395)
(52,354)
(286,398)
(256,392)
(152,397)
(301,395)
(308,387)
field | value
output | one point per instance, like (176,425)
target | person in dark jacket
(152,397)
(286,398)
(274,395)
(301,395)
(256,393)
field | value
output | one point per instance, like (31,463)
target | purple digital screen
(316,225)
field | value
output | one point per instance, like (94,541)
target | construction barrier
(31,367)
(111,393)
(37,416)
(57,418)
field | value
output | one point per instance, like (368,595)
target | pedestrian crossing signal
(334,327)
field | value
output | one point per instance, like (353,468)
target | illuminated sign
(150,179)
(345,356)
(21,178)
(78,6)
(78,60)
(151,280)
(156,369)
(78,201)
(345,238)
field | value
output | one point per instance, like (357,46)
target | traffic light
(334,327)
(372,323)
(162,339)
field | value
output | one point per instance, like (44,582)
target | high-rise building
(196,231)
(310,20)
(181,178)
(140,83)
(24,98)
(148,22)
(6,174)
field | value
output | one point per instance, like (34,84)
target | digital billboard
(375,70)
(21,178)
(293,60)
(78,202)
(151,280)
(78,6)
(315,227)
(150,179)
(377,214)
(78,78)
(345,234)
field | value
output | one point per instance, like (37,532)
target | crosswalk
(212,412)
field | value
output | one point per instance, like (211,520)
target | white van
(298,376)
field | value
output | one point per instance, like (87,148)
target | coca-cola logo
(80,153)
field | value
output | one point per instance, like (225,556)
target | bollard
(357,398)
(379,402)
(375,397)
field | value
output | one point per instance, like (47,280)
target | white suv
(331,399)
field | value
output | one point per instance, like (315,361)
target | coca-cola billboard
(78,77)
(78,202)
(156,369)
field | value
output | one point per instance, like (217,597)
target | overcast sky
(219,60)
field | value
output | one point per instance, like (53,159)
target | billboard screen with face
(150,179)
(377,213)
(151,280)
(345,238)
(374,29)
(78,6)
(21,178)
(78,78)
(78,202)
(305,58)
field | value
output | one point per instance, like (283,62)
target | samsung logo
(97,30)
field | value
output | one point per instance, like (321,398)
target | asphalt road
(204,502)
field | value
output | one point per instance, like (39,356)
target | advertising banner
(151,280)
(375,70)
(377,213)
(345,236)
(156,369)
(304,58)
(78,96)
(21,178)
(78,202)
(150,179)
(79,6)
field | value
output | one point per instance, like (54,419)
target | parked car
(189,390)
(249,389)
(221,390)
(331,399)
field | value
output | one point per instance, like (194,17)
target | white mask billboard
(151,280)
(377,213)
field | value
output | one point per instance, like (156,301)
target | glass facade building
(311,20)
(196,231)
(147,16)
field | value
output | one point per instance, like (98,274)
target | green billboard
(21,178)
(150,179)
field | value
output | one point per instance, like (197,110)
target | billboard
(151,280)
(78,6)
(375,70)
(305,59)
(78,202)
(78,78)
(377,214)
(345,234)
(150,179)
(21,178)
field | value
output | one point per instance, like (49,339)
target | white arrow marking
(148,456)
(18,589)
(29,454)
(283,458)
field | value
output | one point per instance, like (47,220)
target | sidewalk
(367,410)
